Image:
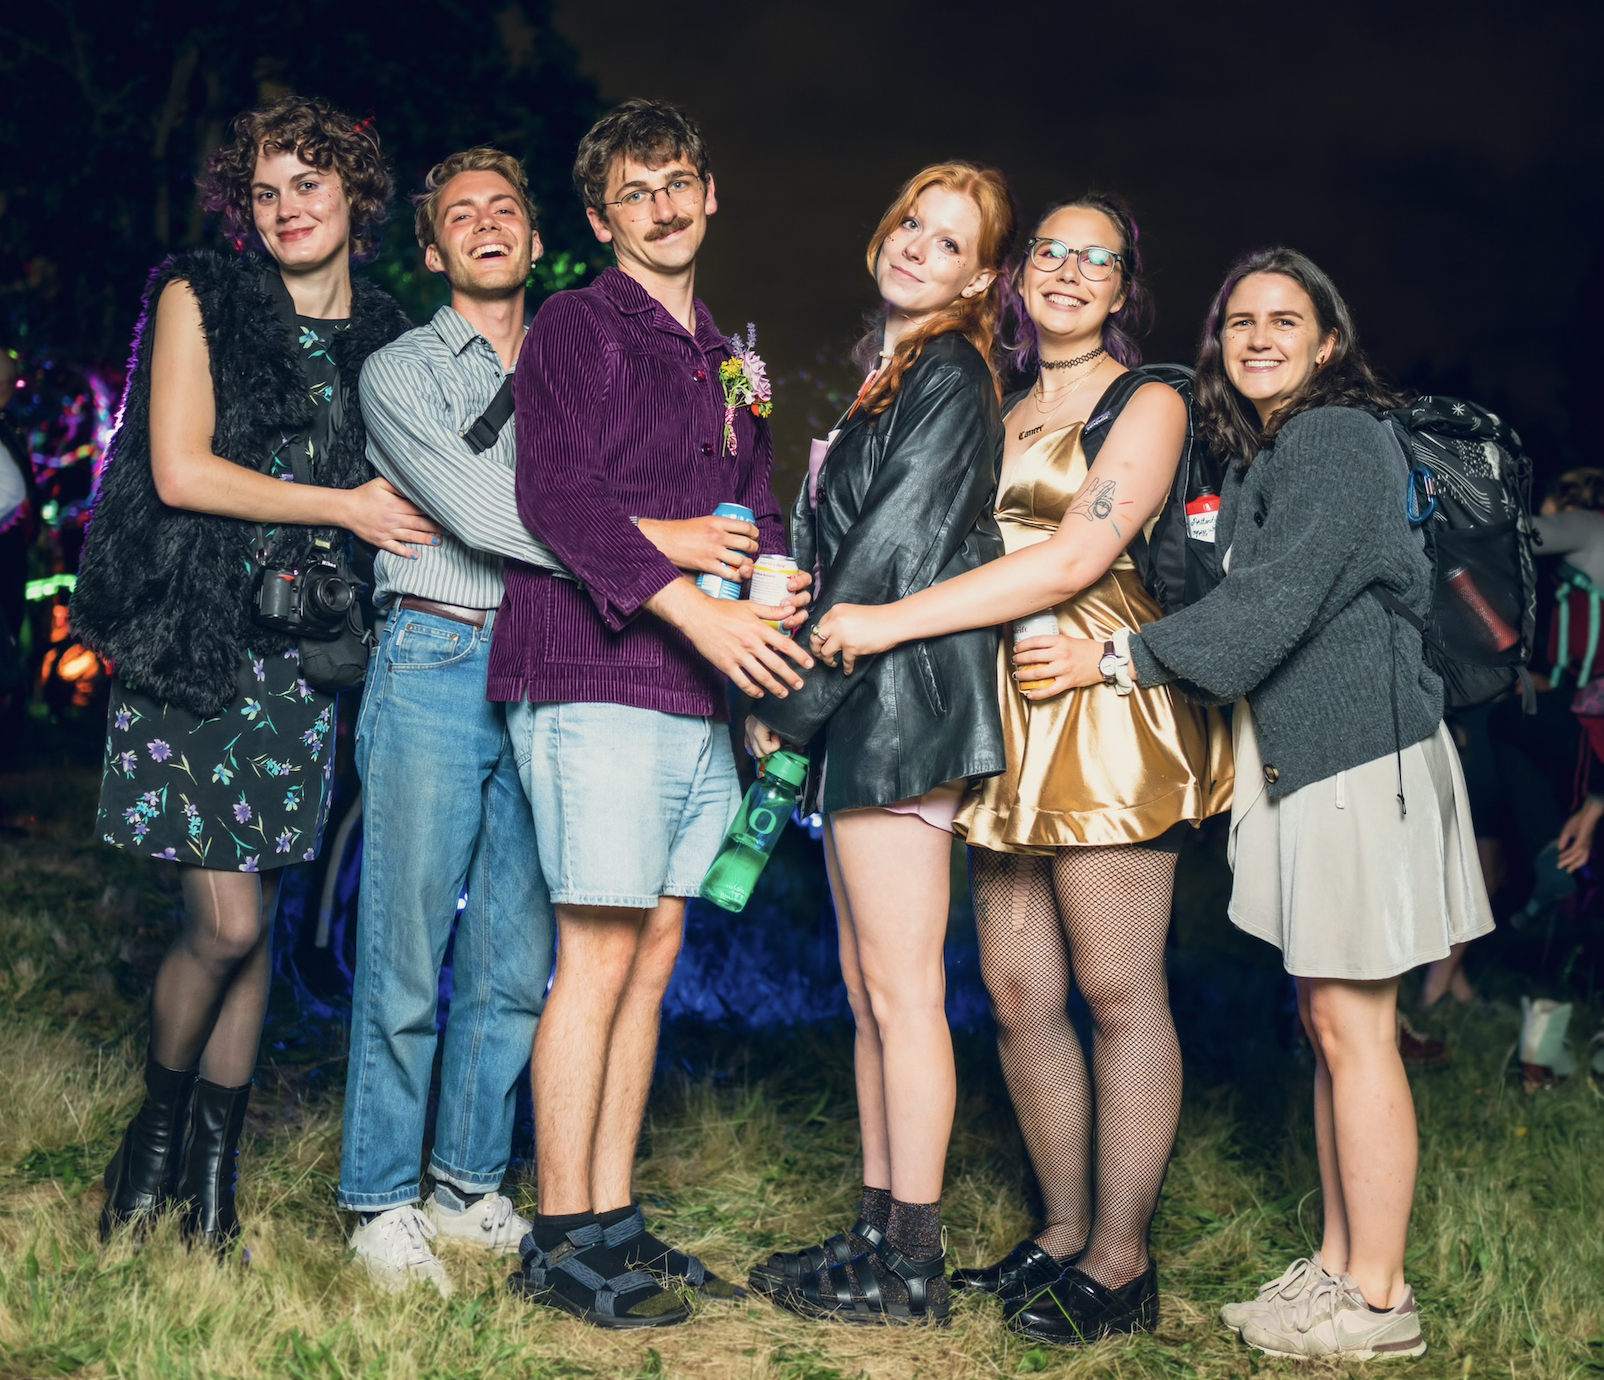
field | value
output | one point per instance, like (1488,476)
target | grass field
(751,1144)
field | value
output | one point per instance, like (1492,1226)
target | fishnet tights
(211,990)
(1103,912)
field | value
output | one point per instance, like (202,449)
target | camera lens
(327,596)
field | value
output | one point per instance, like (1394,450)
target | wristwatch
(1116,661)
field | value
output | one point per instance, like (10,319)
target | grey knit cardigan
(1316,519)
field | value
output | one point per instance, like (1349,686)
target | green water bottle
(755,830)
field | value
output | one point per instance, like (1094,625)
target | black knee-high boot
(211,1165)
(143,1174)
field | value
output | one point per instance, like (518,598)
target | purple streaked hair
(1017,332)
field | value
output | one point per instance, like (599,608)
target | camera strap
(483,433)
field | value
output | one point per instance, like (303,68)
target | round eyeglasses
(1096,263)
(684,193)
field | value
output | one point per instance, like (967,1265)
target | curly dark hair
(651,132)
(1226,422)
(1124,327)
(327,139)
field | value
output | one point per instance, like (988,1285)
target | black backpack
(1178,563)
(1468,494)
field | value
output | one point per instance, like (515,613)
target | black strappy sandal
(642,1250)
(580,1275)
(829,1295)
(785,1270)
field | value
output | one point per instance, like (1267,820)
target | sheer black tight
(1101,915)
(210,997)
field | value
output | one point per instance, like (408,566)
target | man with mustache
(442,802)
(616,685)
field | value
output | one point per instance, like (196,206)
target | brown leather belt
(474,618)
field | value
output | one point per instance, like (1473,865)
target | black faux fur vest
(163,591)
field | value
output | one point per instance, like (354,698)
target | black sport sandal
(581,1276)
(669,1267)
(853,1294)
(1023,1271)
(1077,1310)
(785,1270)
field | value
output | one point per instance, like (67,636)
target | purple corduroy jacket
(620,414)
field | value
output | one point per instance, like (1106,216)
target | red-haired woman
(902,500)
(218,750)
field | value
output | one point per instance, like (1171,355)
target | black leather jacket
(904,502)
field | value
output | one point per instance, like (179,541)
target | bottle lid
(789,767)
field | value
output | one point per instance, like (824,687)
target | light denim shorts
(629,804)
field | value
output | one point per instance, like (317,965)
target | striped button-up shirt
(620,415)
(419,394)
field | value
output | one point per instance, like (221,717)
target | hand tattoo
(1096,501)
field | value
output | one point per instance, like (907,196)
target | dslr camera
(313,598)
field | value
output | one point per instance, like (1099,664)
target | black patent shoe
(143,1175)
(1077,1310)
(1024,1270)
(784,1270)
(210,1166)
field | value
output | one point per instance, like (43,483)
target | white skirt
(1341,880)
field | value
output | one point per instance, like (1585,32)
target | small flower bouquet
(746,383)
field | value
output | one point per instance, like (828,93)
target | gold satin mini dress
(1090,767)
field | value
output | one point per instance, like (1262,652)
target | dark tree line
(108,109)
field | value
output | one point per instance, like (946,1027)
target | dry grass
(1507,1255)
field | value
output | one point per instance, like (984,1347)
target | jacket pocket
(930,679)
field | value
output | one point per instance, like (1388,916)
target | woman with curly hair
(240,446)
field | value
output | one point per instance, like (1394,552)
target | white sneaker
(1296,1280)
(1333,1319)
(394,1249)
(490,1223)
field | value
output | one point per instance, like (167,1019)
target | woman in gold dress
(1073,847)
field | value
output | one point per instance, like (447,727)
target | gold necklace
(1045,412)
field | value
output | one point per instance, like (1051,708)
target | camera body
(311,600)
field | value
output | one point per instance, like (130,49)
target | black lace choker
(1079,359)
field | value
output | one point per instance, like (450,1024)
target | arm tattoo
(1096,501)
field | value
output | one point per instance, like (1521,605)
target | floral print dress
(248,790)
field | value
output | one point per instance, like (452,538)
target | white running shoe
(490,1223)
(394,1249)
(1296,1280)
(1333,1319)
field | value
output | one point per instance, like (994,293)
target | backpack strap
(483,433)
(1573,580)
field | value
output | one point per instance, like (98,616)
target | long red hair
(974,317)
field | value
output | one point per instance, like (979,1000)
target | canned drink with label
(1043,624)
(716,585)
(771,577)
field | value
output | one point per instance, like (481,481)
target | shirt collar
(633,300)
(453,328)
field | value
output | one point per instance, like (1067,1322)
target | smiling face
(301,213)
(484,243)
(932,257)
(1271,341)
(664,223)
(1068,308)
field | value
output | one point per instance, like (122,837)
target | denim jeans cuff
(376,1202)
(461,1178)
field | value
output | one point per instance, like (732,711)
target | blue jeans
(442,805)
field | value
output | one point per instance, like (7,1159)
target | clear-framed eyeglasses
(1096,263)
(683,193)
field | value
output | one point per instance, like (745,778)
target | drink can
(1043,624)
(771,577)
(716,585)
(1202,516)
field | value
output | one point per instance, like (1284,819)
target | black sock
(550,1230)
(613,1216)
(466,1199)
(875,1209)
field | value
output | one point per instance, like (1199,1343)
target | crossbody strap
(483,433)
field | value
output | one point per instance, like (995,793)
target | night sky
(1442,163)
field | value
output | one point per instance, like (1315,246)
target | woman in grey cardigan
(1350,834)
